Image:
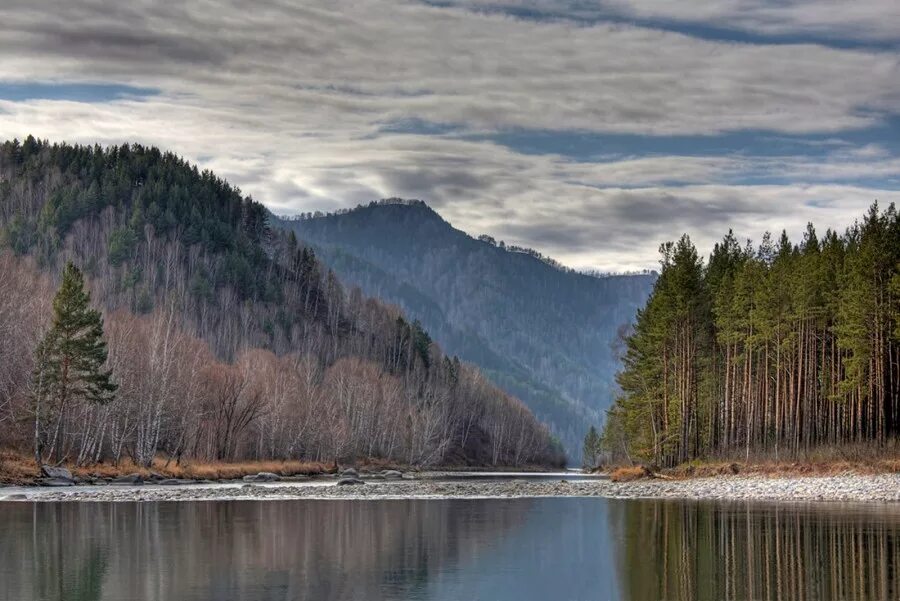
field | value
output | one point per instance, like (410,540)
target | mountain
(228,340)
(544,333)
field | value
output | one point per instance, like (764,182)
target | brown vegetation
(777,469)
(866,458)
(177,399)
(228,341)
(21,468)
(629,474)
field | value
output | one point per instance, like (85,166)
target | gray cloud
(856,20)
(482,71)
(290,103)
(860,19)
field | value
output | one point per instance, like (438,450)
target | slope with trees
(772,349)
(542,332)
(69,364)
(226,339)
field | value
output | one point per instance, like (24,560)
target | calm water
(558,549)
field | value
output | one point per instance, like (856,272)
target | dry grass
(809,468)
(863,458)
(698,469)
(629,474)
(226,471)
(822,461)
(19,468)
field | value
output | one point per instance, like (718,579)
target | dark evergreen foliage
(775,349)
(150,231)
(70,360)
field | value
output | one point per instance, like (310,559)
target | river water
(494,549)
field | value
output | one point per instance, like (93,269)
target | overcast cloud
(325,104)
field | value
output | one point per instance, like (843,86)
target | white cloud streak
(290,103)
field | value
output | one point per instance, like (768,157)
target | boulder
(15,497)
(52,471)
(56,482)
(349,482)
(392,475)
(262,477)
(350,473)
(129,479)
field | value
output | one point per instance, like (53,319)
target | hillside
(227,340)
(543,333)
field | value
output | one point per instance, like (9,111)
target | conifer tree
(69,363)
(777,349)
(591,448)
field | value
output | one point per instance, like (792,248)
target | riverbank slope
(18,469)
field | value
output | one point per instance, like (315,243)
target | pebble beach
(882,488)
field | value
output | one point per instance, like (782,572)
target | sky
(591,131)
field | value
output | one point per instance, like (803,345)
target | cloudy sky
(589,130)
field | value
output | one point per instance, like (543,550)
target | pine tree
(69,362)
(591,448)
(774,350)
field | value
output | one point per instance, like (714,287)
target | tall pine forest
(769,350)
(227,339)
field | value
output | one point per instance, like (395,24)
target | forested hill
(227,339)
(541,332)
(769,350)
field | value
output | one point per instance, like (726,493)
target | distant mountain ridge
(544,333)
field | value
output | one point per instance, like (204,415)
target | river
(452,549)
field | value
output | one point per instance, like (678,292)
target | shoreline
(879,488)
(20,470)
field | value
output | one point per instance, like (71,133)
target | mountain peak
(409,206)
(541,331)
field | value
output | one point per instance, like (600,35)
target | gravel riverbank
(855,488)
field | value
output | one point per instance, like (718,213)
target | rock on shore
(262,477)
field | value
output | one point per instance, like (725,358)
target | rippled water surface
(549,548)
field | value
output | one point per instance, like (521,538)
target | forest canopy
(227,339)
(774,348)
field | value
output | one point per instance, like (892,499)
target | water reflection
(678,550)
(559,549)
(238,550)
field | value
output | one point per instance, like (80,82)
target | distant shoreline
(878,488)
(21,471)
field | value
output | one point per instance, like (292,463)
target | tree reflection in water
(703,550)
(239,550)
(562,549)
